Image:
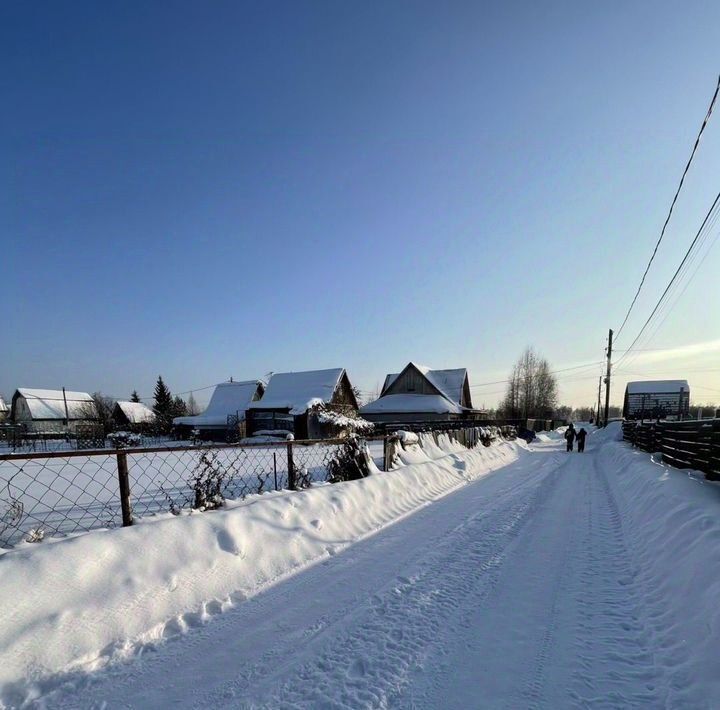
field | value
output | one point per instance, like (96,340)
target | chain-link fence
(65,492)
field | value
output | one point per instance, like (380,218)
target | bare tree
(192,406)
(100,411)
(532,388)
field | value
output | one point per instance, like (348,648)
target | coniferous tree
(163,406)
(179,408)
(134,397)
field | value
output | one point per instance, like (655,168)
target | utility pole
(597,410)
(607,377)
(67,414)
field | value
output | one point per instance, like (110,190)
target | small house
(4,410)
(52,410)
(421,394)
(303,404)
(656,399)
(225,413)
(132,414)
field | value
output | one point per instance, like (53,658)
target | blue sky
(213,189)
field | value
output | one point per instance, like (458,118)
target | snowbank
(80,602)
(670,520)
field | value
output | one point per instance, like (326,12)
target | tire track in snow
(298,613)
(367,664)
(615,666)
(530,692)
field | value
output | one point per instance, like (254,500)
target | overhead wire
(672,206)
(698,256)
(708,216)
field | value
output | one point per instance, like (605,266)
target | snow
(407,437)
(228,399)
(298,391)
(357,424)
(510,576)
(657,386)
(3,405)
(108,595)
(405,403)
(50,404)
(136,412)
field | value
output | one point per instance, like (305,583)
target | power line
(672,205)
(669,306)
(552,372)
(675,275)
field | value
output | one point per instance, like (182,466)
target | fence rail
(688,444)
(65,492)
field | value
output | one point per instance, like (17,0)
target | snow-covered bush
(350,461)
(124,439)
(35,535)
(207,482)
(341,422)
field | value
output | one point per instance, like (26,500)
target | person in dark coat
(581,440)
(570,437)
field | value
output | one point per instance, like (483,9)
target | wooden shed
(292,399)
(132,414)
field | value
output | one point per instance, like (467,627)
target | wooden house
(4,410)
(52,410)
(421,394)
(296,402)
(225,413)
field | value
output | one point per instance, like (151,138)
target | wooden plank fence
(688,444)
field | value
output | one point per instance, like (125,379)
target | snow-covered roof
(136,412)
(228,399)
(298,391)
(404,403)
(50,404)
(3,405)
(657,386)
(449,382)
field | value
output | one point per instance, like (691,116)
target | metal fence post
(124,481)
(291,466)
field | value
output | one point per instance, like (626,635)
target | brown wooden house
(421,394)
(292,400)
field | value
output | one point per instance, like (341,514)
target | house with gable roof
(52,410)
(419,394)
(132,414)
(298,403)
(224,416)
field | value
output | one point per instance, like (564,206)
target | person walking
(581,440)
(570,436)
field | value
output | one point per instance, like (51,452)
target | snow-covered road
(530,587)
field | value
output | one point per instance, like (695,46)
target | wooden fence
(688,444)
